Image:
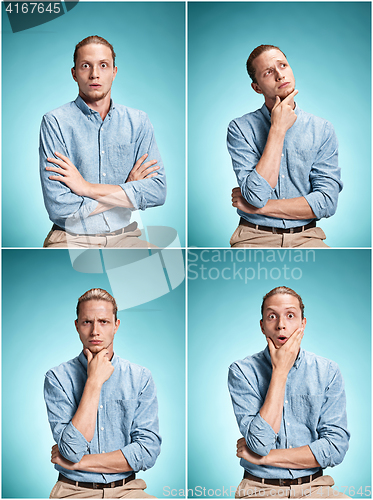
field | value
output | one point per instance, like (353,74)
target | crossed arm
(108,195)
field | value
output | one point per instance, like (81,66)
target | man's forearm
(105,463)
(292,458)
(86,415)
(271,411)
(108,196)
(292,208)
(269,164)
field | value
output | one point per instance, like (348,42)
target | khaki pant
(318,488)
(247,237)
(133,489)
(61,239)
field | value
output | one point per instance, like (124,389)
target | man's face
(94,72)
(96,325)
(282,315)
(274,76)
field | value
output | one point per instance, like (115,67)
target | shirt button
(102,452)
(286,402)
(102,152)
(101,406)
(102,428)
(104,174)
(283,198)
(290,446)
(282,154)
(286,424)
(283,176)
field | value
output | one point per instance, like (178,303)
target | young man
(285,160)
(290,407)
(102,410)
(98,160)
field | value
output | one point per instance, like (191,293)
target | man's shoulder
(61,112)
(136,116)
(248,119)
(133,369)
(314,360)
(251,362)
(308,119)
(66,368)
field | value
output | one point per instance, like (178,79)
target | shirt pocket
(121,160)
(300,162)
(121,413)
(306,409)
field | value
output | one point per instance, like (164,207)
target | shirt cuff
(136,197)
(317,202)
(133,454)
(73,445)
(256,190)
(260,437)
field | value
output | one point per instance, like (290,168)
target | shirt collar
(297,362)
(83,360)
(89,111)
(267,113)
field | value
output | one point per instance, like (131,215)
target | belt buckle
(274,230)
(94,486)
(291,231)
(281,482)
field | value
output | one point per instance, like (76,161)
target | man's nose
(94,330)
(279,75)
(280,324)
(94,72)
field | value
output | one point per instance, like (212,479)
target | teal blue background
(149,40)
(40,291)
(328,46)
(223,326)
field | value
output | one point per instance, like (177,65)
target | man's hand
(69,175)
(283,115)
(238,201)
(57,458)
(142,169)
(283,358)
(99,367)
(244,452)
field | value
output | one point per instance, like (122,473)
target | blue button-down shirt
(127,416)
(314,411)
(104,152)
(309,165)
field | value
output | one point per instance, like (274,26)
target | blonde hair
(93,39)
(97,294)
(284,290)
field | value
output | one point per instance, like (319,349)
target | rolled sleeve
(258,434)
(71,443)
(254,188)
(61,203)
(145,445)
(332,445)
(146,193)
(325,176)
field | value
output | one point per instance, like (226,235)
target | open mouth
(282,339)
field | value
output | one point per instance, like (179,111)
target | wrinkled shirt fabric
(127,416)
(309,165)
(314,411)
(104,152)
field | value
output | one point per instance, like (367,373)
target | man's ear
(117,323)
(115,71)
(76,325)
(256,87)
(261,326)
(74,74)
(304,322)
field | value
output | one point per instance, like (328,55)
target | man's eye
(85,65)
(272,316)
(291,315)
(104,65)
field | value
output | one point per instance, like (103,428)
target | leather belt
(283,482)
(97,486)
(130,227)
(277,230)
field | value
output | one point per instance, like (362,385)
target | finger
(140,161)
(146,165)
(65,158)
(149,176)
(277,102)
(57,178)
(88,354)
(61,163)
(58,170)
(290,96)
(271,346)
(149,169)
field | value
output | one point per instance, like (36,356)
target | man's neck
(270,103)
(102,106)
